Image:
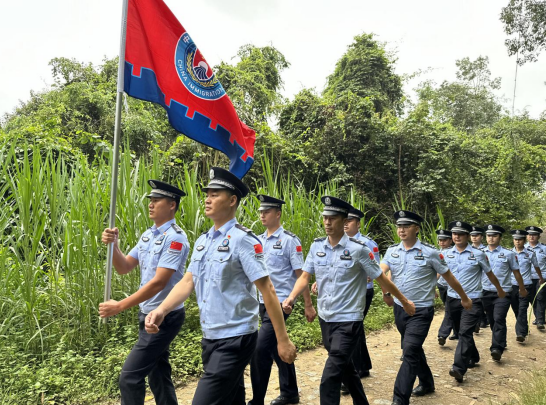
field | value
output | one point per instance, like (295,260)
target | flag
(163,65)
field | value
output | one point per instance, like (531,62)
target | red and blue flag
(163,65)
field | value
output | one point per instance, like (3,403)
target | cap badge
(261,198)
(402,213)
(328,201)
(442,232)
(490,227)
(152,184)
(458,223)
(517,232)
(211,174)
(532,228)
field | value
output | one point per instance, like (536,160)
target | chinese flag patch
(441,256)
(176,246)
(375,249)
(372,257)
(258,248)
(298,249)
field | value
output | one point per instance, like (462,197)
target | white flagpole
(115,162)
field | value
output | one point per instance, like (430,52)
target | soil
(488,383)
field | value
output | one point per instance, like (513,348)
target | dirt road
(490,382)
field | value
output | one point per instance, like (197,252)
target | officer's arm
(454,283)
(386,270)
(387,285)
(306,293)
(519,279)
(302,284)
(122,264)
(495,281)
(534,262)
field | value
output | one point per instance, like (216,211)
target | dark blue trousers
(361,356)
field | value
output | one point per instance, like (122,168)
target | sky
(425,34)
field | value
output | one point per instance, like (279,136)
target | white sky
(311,34)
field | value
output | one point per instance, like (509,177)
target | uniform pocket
(219,266)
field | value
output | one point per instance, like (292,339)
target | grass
(532,391)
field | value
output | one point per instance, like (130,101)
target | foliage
(525,22)
(532,390)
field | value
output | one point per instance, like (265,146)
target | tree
(525,21)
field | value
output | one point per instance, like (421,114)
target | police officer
(226,266)
(476,237)
(341,265)
(361,356)
(445,242)
(284,260)
(468,265)
(161,254)
(538,298)
(503,263)
(527,260)
(413,266)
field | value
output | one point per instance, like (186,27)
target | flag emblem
(258,249)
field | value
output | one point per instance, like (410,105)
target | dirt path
(490,382)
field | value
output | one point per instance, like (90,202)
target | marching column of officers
(229,265)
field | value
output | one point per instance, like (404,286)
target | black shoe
(472,363)
(520,338)
(280,400)
(535,322)
(364,373)
(441,340)
(396,402)
(540,326)
(454,337)
(402,358)
(455,374)
(484,325)
(344,389)
(419,391)
(477,328)
(496,354)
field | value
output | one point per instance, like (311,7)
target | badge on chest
(224,247)
(199,248)
(277,245)
(346,255)
(419,256)
(145,239)
(321,254)
(501,255)
(160,240)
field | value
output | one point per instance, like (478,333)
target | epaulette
(290,233)
(394,245)
(429,245)
(357,241)
(204,232)
(176,228)
(243,228)
(320,239)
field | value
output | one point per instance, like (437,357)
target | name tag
(344,257)
(277,247)
(419,257)
(321,254)
(471,258)
(160,240)
(501,254)
(223,248)
(451,256)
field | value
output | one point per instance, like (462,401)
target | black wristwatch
(387,294)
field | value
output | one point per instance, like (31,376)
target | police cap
(460,227)
(267,202)
(477,230)
(356,213)
(492,229)
(223,179)
(404,217)
(518,233)
(533,230)
(443,234)
(160,189)
(335,206)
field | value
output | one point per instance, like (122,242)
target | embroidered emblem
(225,242)
(402,214)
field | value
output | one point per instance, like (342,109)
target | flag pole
(115,151)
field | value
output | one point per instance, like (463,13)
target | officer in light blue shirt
(476,238)
(413,266)
(161,254)
(538,298)
(527,260)
(445,242)
(503,263)
(284,260)
(226,266)
(468,265)
(341,265)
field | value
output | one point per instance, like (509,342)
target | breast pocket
(321,268)
(197,264)
(219,266)
(345,270)
(275,260)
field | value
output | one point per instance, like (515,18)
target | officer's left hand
(109,308)
(523,292)
(466,303)
(314,288)
(310,313)
(409,307)
(540,281)
(287,305)
(287,351)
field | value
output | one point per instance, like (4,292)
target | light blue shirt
(283,255)
(166,247)
(341,272)
(527,260)
(540,251)
(468,267)
(224,265)
(374,247)
(503,262)
(414,271)
(442,281)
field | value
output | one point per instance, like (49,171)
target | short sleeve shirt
(540,251)
(224,265)
(166,246)
(414,271)
(503,262)
(468,267)
(374,247)
(283,255)
(341,272)
(527,260)
(442,281)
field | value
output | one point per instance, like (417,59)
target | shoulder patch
(357,241)
(320,239)
(176,228)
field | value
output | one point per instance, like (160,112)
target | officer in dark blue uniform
(284,260)
(226,266)
(527,260)
(161,254)
(445,242)
(503,263)
(341,265)
(414,266)
(468,265)
(538,298)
